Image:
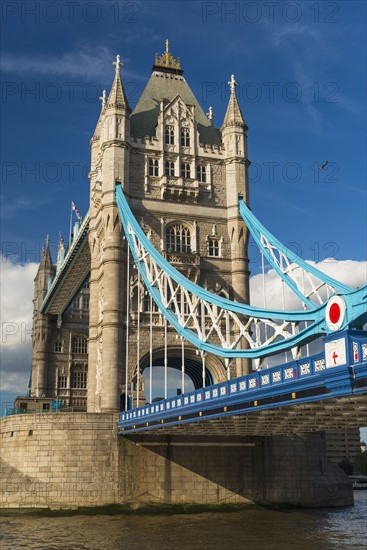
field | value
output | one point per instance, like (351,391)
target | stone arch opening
(214,369)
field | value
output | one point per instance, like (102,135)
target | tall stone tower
(41,325)
(182,177)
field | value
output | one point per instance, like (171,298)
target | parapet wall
(77,459)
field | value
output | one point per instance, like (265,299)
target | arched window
(178,238)
(201,173)
(169,168)
(185,170)
(185,137)
(80,344)
(169,135)
(153,167)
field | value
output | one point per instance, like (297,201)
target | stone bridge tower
(182,177)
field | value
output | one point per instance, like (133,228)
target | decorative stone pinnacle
(47,240)
(118,63)
(103,98)
(232,84)
(210,113)
(167,45)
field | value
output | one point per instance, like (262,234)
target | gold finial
(167,60)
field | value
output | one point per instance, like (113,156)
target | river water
(260,529)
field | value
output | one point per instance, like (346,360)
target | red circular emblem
(334,313)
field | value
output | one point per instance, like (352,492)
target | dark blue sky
(301,73)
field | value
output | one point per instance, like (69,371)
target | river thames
(255,528)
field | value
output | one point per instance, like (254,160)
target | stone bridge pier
(68,460)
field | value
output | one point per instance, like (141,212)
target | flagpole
(71,221)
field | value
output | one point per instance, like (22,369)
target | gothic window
(178,238)
(86,302)
(169,135)
(86,284)
(185,137)
(58,346)
(213,247)
(153,167)
(76,303)
(201,173)
(62,382)
(169,168)
(185,170)
(80,344)
(78,379)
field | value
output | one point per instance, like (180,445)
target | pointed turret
(117,97)
(234,140)
(45,271)
(233,116)
(41,323)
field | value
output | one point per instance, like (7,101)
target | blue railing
(308,372)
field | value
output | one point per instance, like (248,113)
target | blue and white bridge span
(327,390)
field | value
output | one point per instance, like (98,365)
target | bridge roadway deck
(298,397)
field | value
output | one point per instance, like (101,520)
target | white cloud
(85,62)
(16,288)
(350,272)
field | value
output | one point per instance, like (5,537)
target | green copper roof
(166,86)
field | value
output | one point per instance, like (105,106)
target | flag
(77,213)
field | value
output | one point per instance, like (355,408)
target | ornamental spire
(232,84)
(103,98)
(210,113)
(118,64)
(233,116)
(117,97)
(167,62)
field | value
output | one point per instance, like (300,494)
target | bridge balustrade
(310,374)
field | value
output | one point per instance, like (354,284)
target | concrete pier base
(77,459)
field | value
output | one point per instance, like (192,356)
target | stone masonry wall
(291,470)
(59,460)
(77,459)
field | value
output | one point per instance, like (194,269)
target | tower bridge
(157,274)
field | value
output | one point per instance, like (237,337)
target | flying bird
(323,165)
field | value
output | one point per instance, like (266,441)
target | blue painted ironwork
(301,381)
(268,244)
(142,250)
